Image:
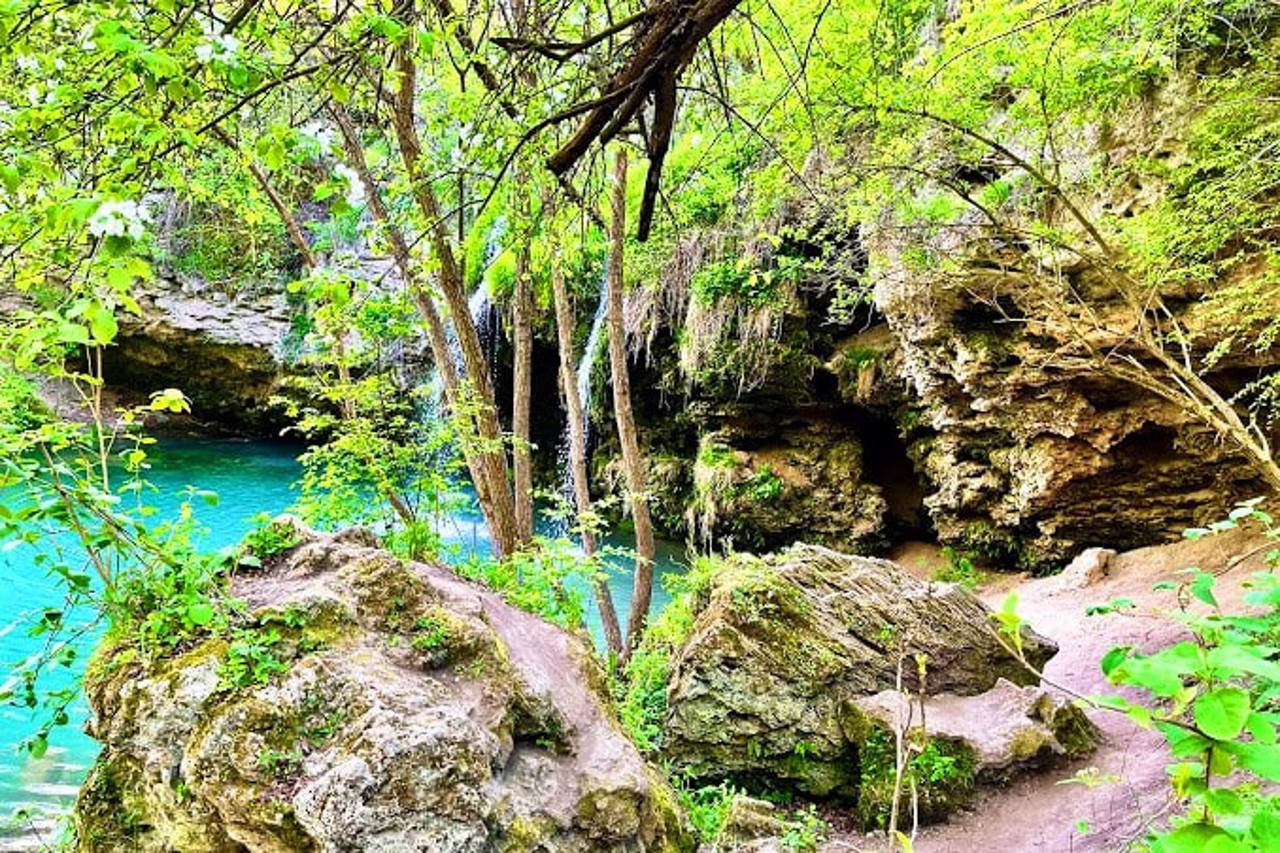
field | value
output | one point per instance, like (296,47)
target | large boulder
(760,478)
(958,742)
(783,648)
(366,703)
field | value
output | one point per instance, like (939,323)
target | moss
(943,770)
(527,834)
(110,812)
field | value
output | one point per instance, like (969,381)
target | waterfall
(595,339)
(484,316)
(591,353)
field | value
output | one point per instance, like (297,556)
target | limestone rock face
(1004,728)
(1019,455)
(784,647)
(409,711)
(226,354)
(759,479)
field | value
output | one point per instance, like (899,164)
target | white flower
(28,63)
(323,136)
(218,49)
(355,189)
(118,218)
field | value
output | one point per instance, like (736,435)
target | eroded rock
(964,741)
(413,712)
(784,647)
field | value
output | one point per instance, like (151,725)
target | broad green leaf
(1221,713)
(102,324)
(200,613)
(73,333)
(1192,838)
(1264,829)
(1260,758)
(1223,801)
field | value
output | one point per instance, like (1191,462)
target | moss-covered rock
(365,703)
(783,648)
(759,483)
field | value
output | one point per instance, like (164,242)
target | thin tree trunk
(491,452)
(578,448)
(522,380)
(481,474)
(633,462)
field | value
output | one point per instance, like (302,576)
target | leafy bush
(641,689)
(958,569)
(547,580)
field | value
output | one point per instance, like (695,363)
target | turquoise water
(250,478)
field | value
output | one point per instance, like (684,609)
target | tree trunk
(578,449)
(347,407)
(522,380)
(481,474)
(478,392)
(633,462)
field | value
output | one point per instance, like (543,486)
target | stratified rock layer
(225,354)
(415,712)
(768,683)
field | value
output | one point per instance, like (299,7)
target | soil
(1055,810)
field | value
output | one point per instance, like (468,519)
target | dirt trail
(1037,814)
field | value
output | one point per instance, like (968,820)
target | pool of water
(250,478)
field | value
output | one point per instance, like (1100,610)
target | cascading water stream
(595,339)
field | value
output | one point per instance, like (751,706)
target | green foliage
(805,830)
(270,537)
(706,807)
(279,764)
(251,659)
(1213,699)
(941,772)
(641,689)
(958,568)
(430,633)
(547,580)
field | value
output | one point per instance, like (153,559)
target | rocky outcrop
(1019,454)
(363,703)
(759,479)
(227,354)
(784,648)
(984,738)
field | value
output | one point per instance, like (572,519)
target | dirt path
(1038,814)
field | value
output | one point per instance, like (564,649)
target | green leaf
(1191,838)
(1223,801)
(1260,758)
(38,745)
(1262,729)
(200,613)
(1202,588)
(73,333)
(1114,658)
(102,324)
(1264,829)
(1221,713)
(1227,844)
(1237,658)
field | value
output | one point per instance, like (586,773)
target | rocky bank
(364,703)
